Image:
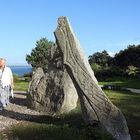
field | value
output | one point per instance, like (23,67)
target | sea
(21,70)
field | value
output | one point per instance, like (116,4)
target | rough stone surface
(53,91)
(95,105)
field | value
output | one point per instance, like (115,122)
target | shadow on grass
(66,127)
(73,119)
(46,127)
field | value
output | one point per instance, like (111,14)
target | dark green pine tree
(39,55)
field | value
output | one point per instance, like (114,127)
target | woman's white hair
(2,59)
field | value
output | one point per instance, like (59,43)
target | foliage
(131,70)
(100,63)
(127,57)
(96,68)
(129,60)
(102,59)
(125,63)
(106,73)
(39,55)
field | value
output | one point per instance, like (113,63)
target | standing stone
(96,107)
(34,97)
(53,91)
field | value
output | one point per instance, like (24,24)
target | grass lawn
(129,83)
(71,126)
(129,103)
(21,85)
(64,127)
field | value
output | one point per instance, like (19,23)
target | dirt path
(133,90)
(17,112)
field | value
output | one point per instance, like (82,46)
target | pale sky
(98,24)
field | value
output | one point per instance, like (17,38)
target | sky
(98,24)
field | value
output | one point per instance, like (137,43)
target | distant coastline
(20,70)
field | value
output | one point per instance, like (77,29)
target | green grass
(129,83)
(64,127)
(71,126)
(47,132)
(21,85)
(129,103)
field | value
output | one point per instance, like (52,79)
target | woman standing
(6,84)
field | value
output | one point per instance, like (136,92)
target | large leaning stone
(52,92)
(95,105)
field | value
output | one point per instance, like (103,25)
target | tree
(102,59)
(128,57)
(39,55)
(96,68)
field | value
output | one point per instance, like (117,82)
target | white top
(0,73)
(7,76)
